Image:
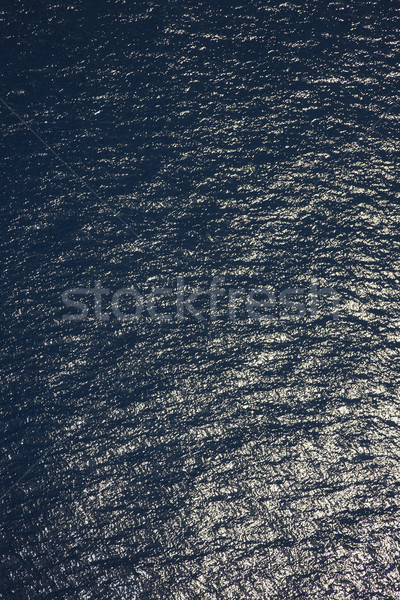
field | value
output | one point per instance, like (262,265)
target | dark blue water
(200,460)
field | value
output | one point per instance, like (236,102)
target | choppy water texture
(224,460)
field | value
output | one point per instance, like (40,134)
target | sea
(162,145)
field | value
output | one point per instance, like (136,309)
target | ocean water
(186,459)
